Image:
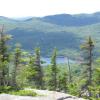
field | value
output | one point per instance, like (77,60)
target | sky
(38,8)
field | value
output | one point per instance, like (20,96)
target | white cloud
(20,8)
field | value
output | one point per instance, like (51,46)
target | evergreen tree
(62,82)
(87,49)
(97,82)
(17,61)
(53,79)
(38,77)
(96,86)
(4,58)
(69,69)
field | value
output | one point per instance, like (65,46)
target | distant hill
(73,20)
(64,31)
(22,18)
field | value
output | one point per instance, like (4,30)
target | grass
(23,93)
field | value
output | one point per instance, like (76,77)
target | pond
(59,60)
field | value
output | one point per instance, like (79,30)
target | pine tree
(17,58)
(4,58)
(62,82)
(69,69)
(38,69)
(87,49)
(53,79)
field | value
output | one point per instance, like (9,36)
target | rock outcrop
(44,95)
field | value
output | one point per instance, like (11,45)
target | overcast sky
(22,8)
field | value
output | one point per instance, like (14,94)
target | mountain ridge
(53,31)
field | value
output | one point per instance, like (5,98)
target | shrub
(5,89)
(24,93)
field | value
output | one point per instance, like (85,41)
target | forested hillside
(64,31)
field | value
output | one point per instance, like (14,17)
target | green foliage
(87,49)
(95,88)
(31,73)
(62,81)
(45,32)
(17,63)
(61,78)
(23,93)
(36,66)
(5,89)
(53,77)
(25,74)
(73,89)
(23,70)
(4,58)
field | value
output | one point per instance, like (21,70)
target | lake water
(60,60)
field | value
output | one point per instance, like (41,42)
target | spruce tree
(17,58)
(38,69)
(4,58)
(62,82)
(53,79)
(69,70)
(87,49)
